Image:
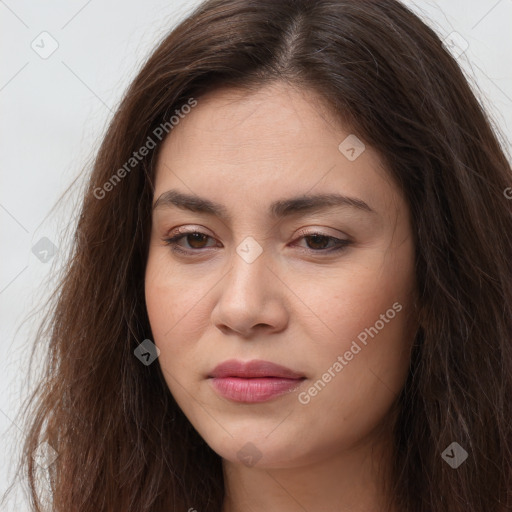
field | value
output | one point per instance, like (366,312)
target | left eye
(317,242)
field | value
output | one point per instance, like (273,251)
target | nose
(251,300)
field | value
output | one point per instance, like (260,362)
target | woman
(290,287)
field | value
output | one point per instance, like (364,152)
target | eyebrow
(278,209)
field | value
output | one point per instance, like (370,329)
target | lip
(253,369)
(253,381)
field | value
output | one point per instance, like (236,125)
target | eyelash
(340,244)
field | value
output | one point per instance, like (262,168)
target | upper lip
(253,369)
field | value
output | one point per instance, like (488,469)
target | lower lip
(254,390)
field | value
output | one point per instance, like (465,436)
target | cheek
(173,298)
(366,317)
(173,305)
(179,305)
(359,372)
(343,302)
(169,304)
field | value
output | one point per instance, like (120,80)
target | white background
(55,110)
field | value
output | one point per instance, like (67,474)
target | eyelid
(319,231)
(189,228)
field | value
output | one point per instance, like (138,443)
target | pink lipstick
(254,381)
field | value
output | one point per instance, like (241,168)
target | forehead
(255,124)
(255,147)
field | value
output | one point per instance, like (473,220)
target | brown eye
(195,240)
(317,241)
(322,244)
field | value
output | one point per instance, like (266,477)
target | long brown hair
(122,441)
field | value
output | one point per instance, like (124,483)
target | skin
(291,305)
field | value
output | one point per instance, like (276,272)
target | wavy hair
(122,441)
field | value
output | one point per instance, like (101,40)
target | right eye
(194,239)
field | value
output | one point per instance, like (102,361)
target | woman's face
(303,256)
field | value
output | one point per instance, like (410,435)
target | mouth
(254,381)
